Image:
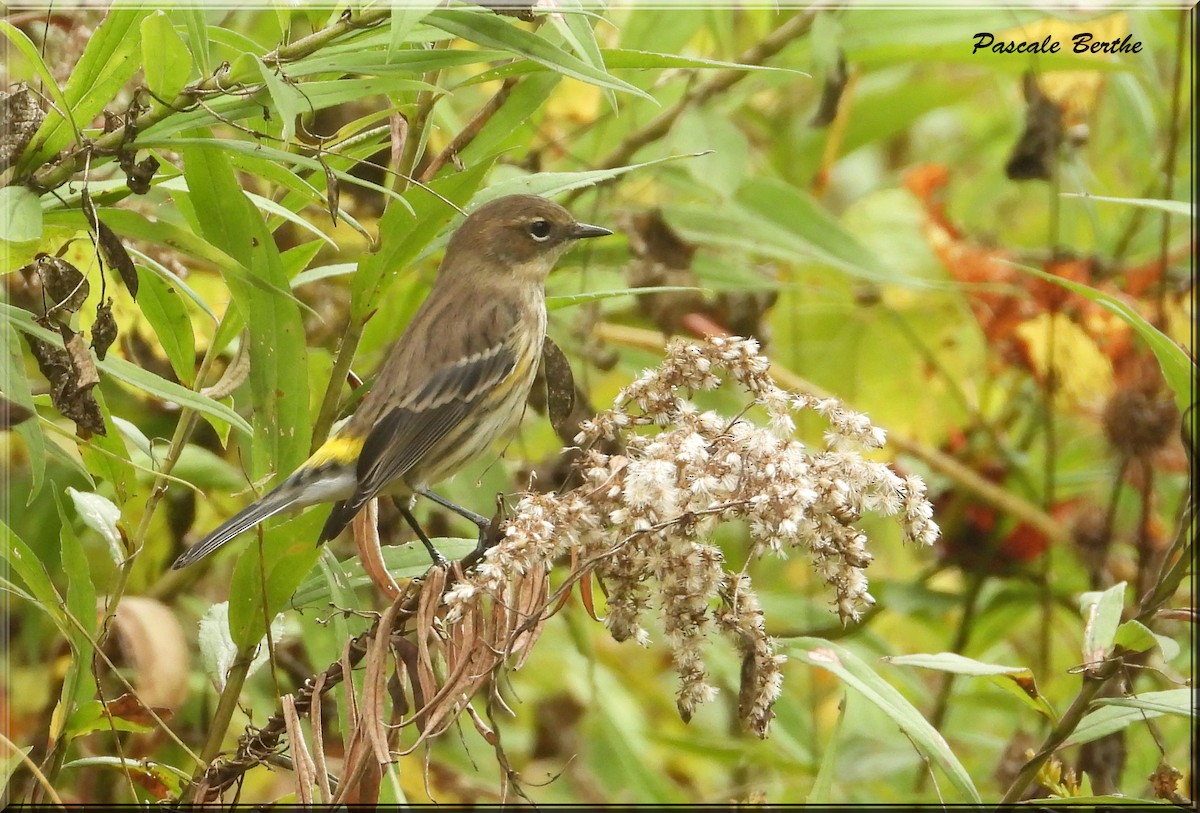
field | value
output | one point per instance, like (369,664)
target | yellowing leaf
(1085,375)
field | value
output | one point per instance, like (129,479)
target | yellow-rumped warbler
(455,380)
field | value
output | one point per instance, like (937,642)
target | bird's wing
(407,432)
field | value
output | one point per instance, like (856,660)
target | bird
(455,381)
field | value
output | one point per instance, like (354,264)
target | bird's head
(516,234)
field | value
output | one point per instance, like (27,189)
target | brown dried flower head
(642,521)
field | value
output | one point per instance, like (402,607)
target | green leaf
(1117,713)
(14,384)
(549,184)
(218,652)
(624,58)
(1137,637)
(573,23)
(1179,702)
(79,685)
(17,555)
(1178,370)
(403,19)
(787,208)
(492,31)
(165,60)
(226,145)
(823,783)
(288,100)
(135,376)
(855,673)
(20,215)
(1175,207)
(1102,615)
(1016,680)
(402,561)
(554,303)
(101,515)
(403,232)
(279,564)
(278,371)
(197,38)
(164,310)
(31,52)
(107,63)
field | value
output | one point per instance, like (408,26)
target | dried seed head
(1137,423)
(642,522)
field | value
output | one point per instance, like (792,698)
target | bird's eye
(539,230)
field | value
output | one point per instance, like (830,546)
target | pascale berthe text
(1082,43)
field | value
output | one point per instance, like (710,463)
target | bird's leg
(483,523)
(434,553)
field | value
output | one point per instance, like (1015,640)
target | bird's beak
(583,230)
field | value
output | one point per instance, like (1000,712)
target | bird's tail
(286,495)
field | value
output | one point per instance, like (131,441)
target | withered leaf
(12,413)
(86,375)
(333,191)
(22,116)
(69,398)
(104,329)
(560,385)
(111,248)
(138,174)
(64,285)
(1034,156)
(129,707)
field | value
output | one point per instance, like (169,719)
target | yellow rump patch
(338,449)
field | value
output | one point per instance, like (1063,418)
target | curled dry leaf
(70,390)
(152,643)
(21,116)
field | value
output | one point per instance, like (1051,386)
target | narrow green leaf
(14,384)
(555,183)
(33,574)
(31,52)
(226,145)
(80,683)
(823,784)
(135,376)
(165,61)
(624,58)
(850,669)
(1016,680)
(788,208)
(1179,702)
(402,561)
(1176,207)
(492,31)
(164,310)
(404,18)
(575,26)
(278,372)
(1117,713)
(20,215)
(289,102)
(554,303)
(1102,615)
(286,555)
(107,63)
(197,39)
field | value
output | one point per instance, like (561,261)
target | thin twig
(763,50)
(470,131)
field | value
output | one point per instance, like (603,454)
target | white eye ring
(540,230)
